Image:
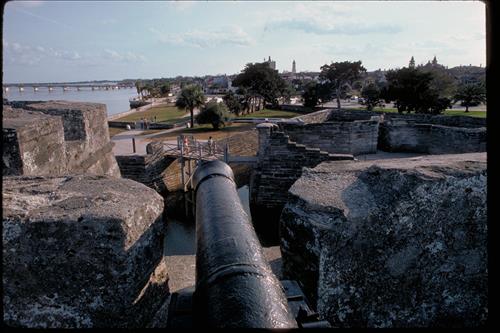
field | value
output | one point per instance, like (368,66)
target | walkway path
(123,143)
(123,140)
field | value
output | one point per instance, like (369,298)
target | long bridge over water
(64,86)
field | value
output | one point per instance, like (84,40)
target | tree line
(428,88)
(257,85)
(153,88)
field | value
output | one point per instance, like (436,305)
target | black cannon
(235,286)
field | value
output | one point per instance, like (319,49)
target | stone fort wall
(391,243)
(280,163)
(79,249)
(57,137)
(153,169)
(432,134)
(82,251)
(336,132)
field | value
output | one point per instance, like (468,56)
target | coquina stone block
(81,251)
(391,243)
(87,146)
(33,143)
(432,134)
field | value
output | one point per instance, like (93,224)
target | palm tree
(471,94)
(138,87)
(191,97)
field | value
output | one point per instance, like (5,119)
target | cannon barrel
(235,286)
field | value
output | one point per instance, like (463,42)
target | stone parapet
(336,131)
(33,143)
(279,166)
(81,251)
(432,134)
(86,143)
(391,243)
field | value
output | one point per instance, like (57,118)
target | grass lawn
(164,114)
(266,113)
(479,114)
(114,131)
(448,112)
(203,132)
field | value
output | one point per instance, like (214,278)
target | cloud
(330,18)
(17,53)
(230,35)
(329,28)
(128,56)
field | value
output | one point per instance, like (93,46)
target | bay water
(116,100)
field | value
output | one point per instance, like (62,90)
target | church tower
(294,70)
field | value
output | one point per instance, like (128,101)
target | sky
(63,41)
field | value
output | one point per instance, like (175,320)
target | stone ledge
(81,251)
(391,243)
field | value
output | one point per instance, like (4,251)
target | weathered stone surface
(391,243)
(432,134)
(33,143)
(81,251)
(86,136)
(153,169)
(280,163)
(336,132)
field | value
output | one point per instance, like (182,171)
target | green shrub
(214,113)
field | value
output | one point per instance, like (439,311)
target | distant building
(230,86)
(215,84)
(271,63)
(294,70)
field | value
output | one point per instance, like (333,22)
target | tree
(261,81)
(471,94)
(164,89)
(439,104)
(233,103)
(341,74)
(139,88)
(411,90)
(371,95)
(149,88)
(434,61)
(407,87)
(412,63)
(442,81)
(287,91)
(244,98)
(310,95)
(316,93)
(213,113)
(191,97)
